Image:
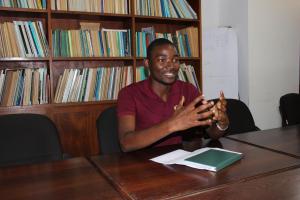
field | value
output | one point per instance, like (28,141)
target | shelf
(15,59)
(92,58)
(155,19)
(181,58)
(22,12)
(49,106)
(27,10)
(89,103)
(88,15)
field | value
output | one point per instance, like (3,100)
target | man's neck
(161,90)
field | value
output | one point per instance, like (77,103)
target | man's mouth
(170,74)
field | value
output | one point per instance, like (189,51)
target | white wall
(273,56)
(269,42)
(238,20)
(210,14)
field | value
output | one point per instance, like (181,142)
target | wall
(269,33)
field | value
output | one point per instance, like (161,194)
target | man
(150,112)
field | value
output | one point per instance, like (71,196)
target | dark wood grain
(137,177)
(279,186)
(285,140)
(69,179)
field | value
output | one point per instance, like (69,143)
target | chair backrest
(289,106)
(28,138)
(107,127)
(240,117)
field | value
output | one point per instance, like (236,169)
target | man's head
(162,61)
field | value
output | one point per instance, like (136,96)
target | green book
(215,159)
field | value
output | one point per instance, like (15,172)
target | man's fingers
(197,100)
(181,102)
(204,107)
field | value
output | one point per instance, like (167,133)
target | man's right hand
(189,116)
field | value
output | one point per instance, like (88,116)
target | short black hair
(156,43)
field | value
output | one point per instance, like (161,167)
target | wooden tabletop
(278,186)
(139,178)
(69,179)
(285,140)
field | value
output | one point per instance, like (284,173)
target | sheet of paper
(220,63)
(171,157)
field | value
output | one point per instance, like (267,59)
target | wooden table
(69,179)
(285,140)
(285,185)
(138,178)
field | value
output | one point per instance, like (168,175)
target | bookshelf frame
(76,122)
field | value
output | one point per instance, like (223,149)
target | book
(212,159)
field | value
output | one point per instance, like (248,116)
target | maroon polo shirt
(138,99)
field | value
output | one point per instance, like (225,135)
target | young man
(150,112)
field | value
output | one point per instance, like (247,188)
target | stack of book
(24,87)
(35,4)
(23,39)
(92,84)
(91,43)
(165,8)
(100,6)
(187,73)
(186,41)
(142,73)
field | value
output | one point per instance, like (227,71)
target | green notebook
(215,159)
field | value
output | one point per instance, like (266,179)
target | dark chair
(289,106)
(107,127)
(240,117)
(28,138)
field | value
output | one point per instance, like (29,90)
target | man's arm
(182,119)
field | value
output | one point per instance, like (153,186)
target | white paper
(220,63)
(171,158)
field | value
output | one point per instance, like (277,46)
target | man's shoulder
(185,85)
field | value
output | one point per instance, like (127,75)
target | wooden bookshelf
(76,122)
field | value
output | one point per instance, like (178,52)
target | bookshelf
(76,120)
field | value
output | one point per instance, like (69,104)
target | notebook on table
(212,159)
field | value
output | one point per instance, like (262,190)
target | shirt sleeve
(125,103)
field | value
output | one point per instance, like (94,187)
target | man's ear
(147,62)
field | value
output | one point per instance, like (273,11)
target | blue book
(137,39)
(82,43)
(44,4)
(187,45)
(101,43)
(110,83)
(182,53)
(99,79)
(185,10)
(37,42)
(166,7)
(129,42)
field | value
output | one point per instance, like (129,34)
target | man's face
(164,64)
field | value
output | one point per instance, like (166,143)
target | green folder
(217,159)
